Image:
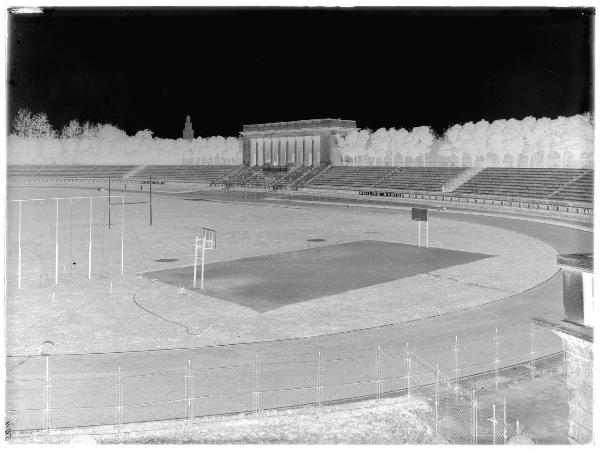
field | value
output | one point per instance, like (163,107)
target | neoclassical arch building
(298,143)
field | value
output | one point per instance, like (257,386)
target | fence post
(118,400)
(407,372)
(532,363)
(378,373)
(456,367)
(476,421)
(473,418)
(189,389)
(256,382)
(494,421)
(47,397)
(319,379)
(437,394)
(496,359)
(504,431)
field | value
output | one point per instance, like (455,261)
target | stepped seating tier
(351,176)
(68,171)
(538,183)
(580,190)
(184,173)
(403,178)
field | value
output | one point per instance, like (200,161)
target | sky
(149,68)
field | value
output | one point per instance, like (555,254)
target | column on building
(299,150)
(275,151)
(282,151)
(261,152)
(252,152)
(291,150)
(316,151)
(267,151)
(308,150)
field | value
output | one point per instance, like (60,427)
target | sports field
(280,271)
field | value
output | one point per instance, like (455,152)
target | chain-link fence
(50,392)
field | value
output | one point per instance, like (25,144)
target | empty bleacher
(402,179)
(351,177)
(70,171)
(530,183)
(418,178)
(579,190)
(183,173)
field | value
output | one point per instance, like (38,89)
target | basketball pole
(19,270)
(427,233)
(90,243)
(419,242)
(56,248)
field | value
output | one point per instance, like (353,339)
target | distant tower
(188,131)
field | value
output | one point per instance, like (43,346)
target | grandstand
(557,186)
(535,183)
(67,171)
(183,173)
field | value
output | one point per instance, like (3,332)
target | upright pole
(122,234)
(150,198)
(456,366)
(189,389)
(195,260)
(426,233)
(437,394)
(47,397)
(118,400)
(319,383)
(407,372)
(496,359)
(256,385)
(71,235)
(473,422)
(494,421)
(419,240)
(109,203)
(504,430)
(532,363)
(202,271)
(378,373)
(19,270)
(56,248)
(90,243)
(476,421)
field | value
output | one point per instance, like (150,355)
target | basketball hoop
(206,241)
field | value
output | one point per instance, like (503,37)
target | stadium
(294,309)
(299,226)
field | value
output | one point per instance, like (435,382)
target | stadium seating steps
(575,185)
(554,184)
(424,179)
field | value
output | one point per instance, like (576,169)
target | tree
(26,125)
(72,130)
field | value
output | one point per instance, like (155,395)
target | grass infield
(268,282)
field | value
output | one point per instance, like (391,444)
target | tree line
(529,142)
